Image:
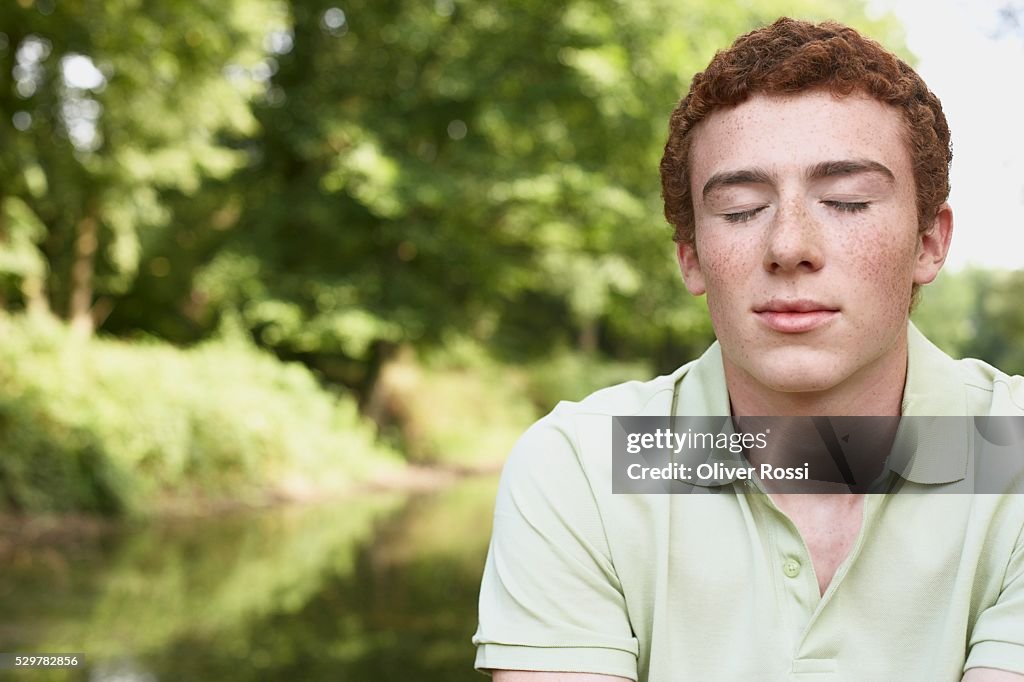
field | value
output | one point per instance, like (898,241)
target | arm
(531,676)
(986,675)
(550,598)
(996,642)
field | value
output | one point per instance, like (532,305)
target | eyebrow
(828,169)
(747,176)
(819,171)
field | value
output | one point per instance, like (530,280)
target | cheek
(884,262)
(727,269)
(725,266)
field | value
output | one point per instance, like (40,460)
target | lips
(795,316)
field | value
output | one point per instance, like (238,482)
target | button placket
(796,587)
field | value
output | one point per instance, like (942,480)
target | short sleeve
(997,640)
(550,599)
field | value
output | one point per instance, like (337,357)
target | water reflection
(375,588)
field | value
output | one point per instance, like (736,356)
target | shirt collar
(930,449)
(925,450)
(933,387)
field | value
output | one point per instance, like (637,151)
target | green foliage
(999,319)
(573,376)
(485,167)
(463,407)
(106,107)
(336,183)
(111,427)
(21,262)
(343,180)
(945,311)
(460,408)
(976,313)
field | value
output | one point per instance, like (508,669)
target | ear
(689,266)
(933,246)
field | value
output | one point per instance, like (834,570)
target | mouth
(795,316)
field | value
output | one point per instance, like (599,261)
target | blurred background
(281,282)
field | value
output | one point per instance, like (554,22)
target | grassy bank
(135,428)
(130,428)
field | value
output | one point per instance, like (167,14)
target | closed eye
(847,206)
(742,216)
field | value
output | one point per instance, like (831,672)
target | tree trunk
(587,339)
(82,269)
(373,394)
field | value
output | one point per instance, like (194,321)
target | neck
(874,390)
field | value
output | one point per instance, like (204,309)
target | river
(377,587)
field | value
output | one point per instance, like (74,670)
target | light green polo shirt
(721,587)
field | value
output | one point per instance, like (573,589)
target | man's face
(806,238)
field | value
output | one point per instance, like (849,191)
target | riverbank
(135,429)
(67,530)
(127,428)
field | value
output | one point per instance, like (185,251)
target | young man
(806,174)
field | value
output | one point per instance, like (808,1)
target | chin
(799,374)
(800,383)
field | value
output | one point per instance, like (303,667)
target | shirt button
(791,568)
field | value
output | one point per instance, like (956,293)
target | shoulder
(625,399)
(567,453)
(562,424)
(991,391)
(570,420)
(939,385)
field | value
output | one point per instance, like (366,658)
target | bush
(568,375)
(456,408)
(461,407)
(119,427)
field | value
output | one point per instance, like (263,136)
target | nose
(793,240)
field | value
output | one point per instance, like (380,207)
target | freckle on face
(866,264)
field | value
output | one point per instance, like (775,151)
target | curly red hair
(793,56)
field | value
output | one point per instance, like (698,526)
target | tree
(479,168)
(104,109)
(340,180)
